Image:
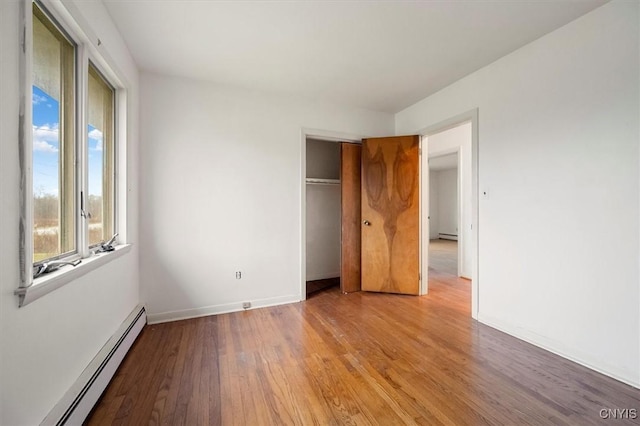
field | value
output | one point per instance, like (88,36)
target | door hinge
(419,151)
(419,276)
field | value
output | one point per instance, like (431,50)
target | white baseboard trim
(562,350)
(219,309)
(325,276)
(77,403)
(452,237)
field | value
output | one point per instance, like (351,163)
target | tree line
(46,209)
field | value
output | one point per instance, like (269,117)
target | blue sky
(46,147)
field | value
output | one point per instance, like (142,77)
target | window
(100,158)
(68,153)
(54,153)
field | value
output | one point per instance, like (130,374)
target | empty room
(319,212)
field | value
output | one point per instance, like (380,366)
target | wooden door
(350,186)
(390,215)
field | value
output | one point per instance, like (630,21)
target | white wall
(324,218)
(558,155)
(447,201)
(45,345)
(443,202)
(458,139)
(434,220)
(221,191)
(323,231)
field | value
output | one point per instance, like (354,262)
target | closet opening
(332,215)
(323,215)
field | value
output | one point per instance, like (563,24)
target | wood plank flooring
(443,256)
(361,358)
(319,285)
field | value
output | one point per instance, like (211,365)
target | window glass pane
(100,153)
(96,146)
(46,166)
(53,140)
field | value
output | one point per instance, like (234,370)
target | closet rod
(318,181)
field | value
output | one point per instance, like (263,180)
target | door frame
(324,135)
(465,117)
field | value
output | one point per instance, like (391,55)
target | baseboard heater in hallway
(78,402)
(448,237)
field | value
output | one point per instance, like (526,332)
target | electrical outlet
(238,275)
(246,305)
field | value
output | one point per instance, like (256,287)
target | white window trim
(54,280)
(31,289)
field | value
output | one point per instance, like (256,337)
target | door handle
(366,223)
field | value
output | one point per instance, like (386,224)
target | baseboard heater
(77,403)
(448,237)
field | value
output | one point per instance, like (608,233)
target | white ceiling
(379,55)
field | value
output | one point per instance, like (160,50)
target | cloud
(44,146)
(96,135)
(45,138)
(38,99)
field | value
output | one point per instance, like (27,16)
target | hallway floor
(443,256)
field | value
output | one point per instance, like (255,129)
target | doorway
(390,229)
(450,197)
(457,136)
(444,213)
(323,215)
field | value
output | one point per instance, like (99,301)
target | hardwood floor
(360,358)
(443,256)
(319,285)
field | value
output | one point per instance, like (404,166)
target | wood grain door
(390,215)
(350,166)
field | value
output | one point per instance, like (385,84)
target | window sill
(50,282)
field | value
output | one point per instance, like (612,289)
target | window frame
(110,151)
(68,141)
(87,51)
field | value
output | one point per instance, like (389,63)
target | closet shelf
(319,181)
